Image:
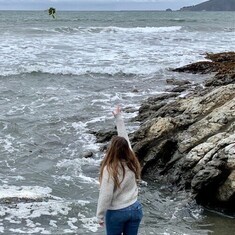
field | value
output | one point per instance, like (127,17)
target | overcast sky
(96,4)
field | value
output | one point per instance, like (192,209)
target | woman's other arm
(105,195)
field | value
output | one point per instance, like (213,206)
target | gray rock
(189,141)
(173,81)
(87,154)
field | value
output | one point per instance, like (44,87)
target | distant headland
(212,5)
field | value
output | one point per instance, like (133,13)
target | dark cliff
(212,5)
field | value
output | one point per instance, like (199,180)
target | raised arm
(121,129)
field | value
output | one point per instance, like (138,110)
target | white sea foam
(7,145)
(53,223)
(113,51)
(18,178)
(96,119)
(89,223)
(109,29)
(29,213)
(76,166)
(70,70)
(83,202)
(87,179)
(79,126)
(30,192)
(87,140)
(112,29)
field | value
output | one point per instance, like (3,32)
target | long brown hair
(118,155)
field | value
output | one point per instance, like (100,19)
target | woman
(118,207)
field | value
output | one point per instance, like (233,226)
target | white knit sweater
(110,197)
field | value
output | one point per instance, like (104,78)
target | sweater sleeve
(121,129)
(105,195)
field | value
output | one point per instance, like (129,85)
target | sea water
(60,80)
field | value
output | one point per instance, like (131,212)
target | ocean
(60,80)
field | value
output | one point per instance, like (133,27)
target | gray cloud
(96,4)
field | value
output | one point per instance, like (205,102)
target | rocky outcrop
(221,63)
(189,142)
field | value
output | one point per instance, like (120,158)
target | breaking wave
(109,29)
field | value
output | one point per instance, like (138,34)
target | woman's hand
(101,223)
(117,110)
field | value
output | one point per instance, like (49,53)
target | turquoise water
(60,80)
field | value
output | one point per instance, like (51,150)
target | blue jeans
(124,221)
